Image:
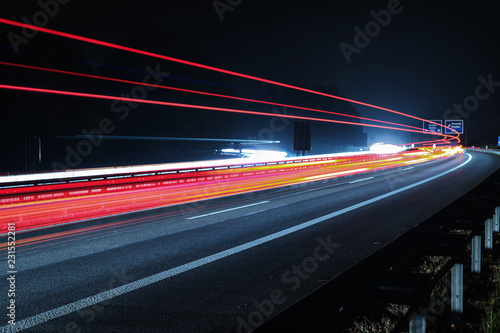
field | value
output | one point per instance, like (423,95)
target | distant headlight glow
(385,148)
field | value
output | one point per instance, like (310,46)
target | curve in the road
(104,296)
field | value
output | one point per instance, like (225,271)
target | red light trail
(198,92)
(34,206)
(200,107)
(154,192)
(211,68)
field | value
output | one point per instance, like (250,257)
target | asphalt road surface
(223,265)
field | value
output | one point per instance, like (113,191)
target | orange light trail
(219,183)
(32,207)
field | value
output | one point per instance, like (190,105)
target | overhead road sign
(457,125)
(433,128)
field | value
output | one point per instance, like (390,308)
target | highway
(226,264)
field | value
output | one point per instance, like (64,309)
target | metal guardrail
(388,275)
(481,150)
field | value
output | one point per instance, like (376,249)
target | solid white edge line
(226,210)
(106,295)
(361,180)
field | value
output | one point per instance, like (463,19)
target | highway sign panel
(457,125)
(433,128)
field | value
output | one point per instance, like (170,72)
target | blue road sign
(498,141)
(428,127)
(457,125)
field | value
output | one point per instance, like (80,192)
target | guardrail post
(496,220)
(476,254)
(488,234)
(417,324)
(457,289)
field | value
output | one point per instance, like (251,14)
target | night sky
(426,59)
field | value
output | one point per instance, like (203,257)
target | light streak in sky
(200,107)
(211,68)
(137,83)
